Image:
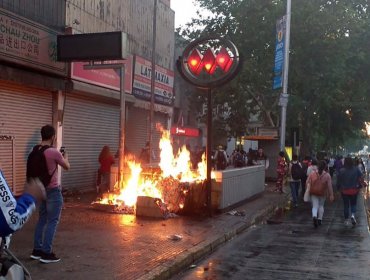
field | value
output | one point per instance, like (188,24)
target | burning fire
(174,171)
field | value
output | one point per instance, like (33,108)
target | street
(289,247)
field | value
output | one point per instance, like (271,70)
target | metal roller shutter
(87,126)
(137,126)
(23,112)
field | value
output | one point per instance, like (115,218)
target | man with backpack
(43,163)
(296,174)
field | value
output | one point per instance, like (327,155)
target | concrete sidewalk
(99,245)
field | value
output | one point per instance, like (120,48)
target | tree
(329,61)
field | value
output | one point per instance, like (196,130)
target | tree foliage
(329,64)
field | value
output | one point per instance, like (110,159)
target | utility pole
(284,95)
(151,118)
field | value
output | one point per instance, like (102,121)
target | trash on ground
(175,237)
(236,213)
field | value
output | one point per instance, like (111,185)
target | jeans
(318,206)
(349,201)
(49,217)
(294,190)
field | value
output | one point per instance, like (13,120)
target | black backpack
(37,167)
(297,171)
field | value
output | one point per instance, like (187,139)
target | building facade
(83,105)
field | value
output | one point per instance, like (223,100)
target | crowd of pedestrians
(239,158)
(315,181)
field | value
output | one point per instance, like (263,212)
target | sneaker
(36,254)
(353,220)
(346,222)
(315,223)
(49,258)
(319,221)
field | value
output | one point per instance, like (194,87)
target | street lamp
(207,63)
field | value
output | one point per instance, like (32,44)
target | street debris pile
(168,186)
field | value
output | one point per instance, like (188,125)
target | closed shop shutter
(137,125)
(137,130)
(23,112)
(88,125)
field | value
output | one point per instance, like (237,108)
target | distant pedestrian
(348,184)
(262,159)
(312,167)
(251,155)
(305,164)
(221,158)
(281,171)
(320,181)
(360,164)
(338,163)
(331,165)
(51,208)
(295,176)
(368,168)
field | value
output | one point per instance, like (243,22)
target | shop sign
(163,89)
(108,78)
(29,44)
(157,107)
(185,131)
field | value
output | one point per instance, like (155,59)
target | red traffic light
(224,60)
(195,62)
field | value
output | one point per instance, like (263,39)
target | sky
(184,11)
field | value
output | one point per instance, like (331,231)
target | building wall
(131,16)
(50,13)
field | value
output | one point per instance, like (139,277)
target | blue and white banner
(279,53)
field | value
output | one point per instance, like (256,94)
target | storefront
(30,79)
(23,112)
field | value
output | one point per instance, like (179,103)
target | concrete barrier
(232,186)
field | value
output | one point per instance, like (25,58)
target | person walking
(51,208)
(312,167)
(320,187)
(295,176)
(348,184)
(281,172)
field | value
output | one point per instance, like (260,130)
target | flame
(173,166)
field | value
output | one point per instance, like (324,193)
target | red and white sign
(108,78)
(185,131)
(164,79)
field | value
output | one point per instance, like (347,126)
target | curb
(188,257)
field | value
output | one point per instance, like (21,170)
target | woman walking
(319,184)
(348,184)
